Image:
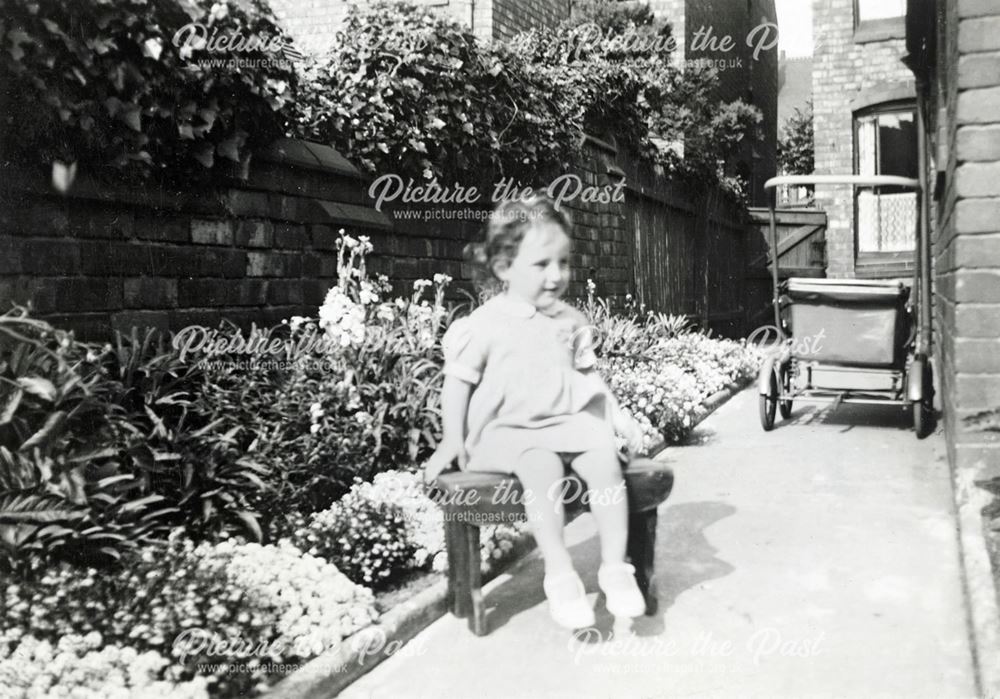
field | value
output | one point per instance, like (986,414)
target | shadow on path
(684,559)
(849,415)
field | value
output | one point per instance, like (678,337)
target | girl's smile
(539,273)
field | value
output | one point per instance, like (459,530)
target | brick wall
(513,16)
(967,245)
(843,69)
(106,258)
(764,95)
(699,28)
(314,24)
(794,86)
(262,250)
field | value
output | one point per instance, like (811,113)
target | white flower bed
(79,667)
(317,604)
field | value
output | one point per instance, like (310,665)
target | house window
(879,20)
(869,10)
(886,217)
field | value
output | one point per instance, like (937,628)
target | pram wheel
(785,406)
(769,404)
(921,395)
(923,419)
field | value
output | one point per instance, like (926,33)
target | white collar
(523,309)
(514,306)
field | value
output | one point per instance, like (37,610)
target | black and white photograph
(499,349)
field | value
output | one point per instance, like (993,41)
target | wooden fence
(690,250)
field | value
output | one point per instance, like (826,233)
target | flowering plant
(81,666)
(279,604)
(364,538)
(660,367)
(315,604)
(372,396)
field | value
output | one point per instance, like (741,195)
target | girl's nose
(553,273)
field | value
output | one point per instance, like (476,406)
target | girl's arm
(455,396)
(625,426)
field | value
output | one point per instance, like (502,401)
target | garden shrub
(409,92)
(618,21)
(181,444)
(104,448)
(795,145)
(401,91)
(102,84)
(66,490)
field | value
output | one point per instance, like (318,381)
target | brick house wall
(794,86)
(314,25)
(513,16)
(964,95)
(851,71)
(699,27)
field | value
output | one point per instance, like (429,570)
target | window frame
(878,264)
(882,29)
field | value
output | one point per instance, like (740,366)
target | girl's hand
(442,458)
(630,430)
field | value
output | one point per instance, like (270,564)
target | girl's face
(539,273)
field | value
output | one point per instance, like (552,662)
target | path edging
(980,588)
(331,672)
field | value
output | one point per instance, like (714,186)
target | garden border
(331,672)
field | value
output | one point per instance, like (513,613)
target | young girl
(521,396)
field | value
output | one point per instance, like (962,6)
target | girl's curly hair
(505,230)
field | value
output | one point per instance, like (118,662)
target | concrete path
(820,559)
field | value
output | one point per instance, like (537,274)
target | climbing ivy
(409,92)
(113,87)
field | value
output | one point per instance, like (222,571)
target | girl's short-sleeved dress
(532,388)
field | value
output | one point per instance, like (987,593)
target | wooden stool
(474,499)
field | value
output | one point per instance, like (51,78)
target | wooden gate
(801,253)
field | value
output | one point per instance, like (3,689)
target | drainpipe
(923,258)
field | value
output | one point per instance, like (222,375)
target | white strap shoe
(624,599)
(568,603)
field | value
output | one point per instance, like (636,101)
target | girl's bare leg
(538,470)
(608,503)
(606,489)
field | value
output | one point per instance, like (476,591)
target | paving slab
(819,559)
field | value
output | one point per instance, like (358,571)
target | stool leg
(641,551)
(477,621)
(458,583)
